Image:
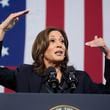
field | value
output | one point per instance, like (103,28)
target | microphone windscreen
(50,70)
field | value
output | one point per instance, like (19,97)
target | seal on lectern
(64,107)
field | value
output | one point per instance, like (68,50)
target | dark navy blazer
(24,79)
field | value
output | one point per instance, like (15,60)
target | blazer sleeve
(107,72)
(91,87)
(8,78)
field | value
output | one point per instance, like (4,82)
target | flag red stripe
(93,26)
(55,13)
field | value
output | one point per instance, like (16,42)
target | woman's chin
(58,60)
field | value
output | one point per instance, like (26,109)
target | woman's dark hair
(39,47)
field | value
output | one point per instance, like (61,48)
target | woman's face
(56,49)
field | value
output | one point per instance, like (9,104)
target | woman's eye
(62,41)
(52,40)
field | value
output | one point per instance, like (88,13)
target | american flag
(81,19)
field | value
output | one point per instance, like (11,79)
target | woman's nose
(59,44)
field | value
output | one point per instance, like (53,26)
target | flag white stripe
(106,24)
(74,26)
(106,21)
(35,22)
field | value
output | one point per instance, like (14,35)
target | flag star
(4,3)
(5,51)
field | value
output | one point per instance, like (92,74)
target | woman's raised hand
(96,42)
(10,21)
(99,42)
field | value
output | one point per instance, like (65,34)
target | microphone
(52,80)
(71,80)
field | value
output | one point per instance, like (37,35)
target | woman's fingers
(89,43)
(97,42)
(10,21)
(18,14)
(95,37)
